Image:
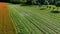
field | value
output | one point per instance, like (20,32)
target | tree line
(38,2)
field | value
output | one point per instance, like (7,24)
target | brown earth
(6,24)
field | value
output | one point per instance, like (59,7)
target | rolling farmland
(32,20)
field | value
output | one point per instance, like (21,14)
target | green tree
(57,3)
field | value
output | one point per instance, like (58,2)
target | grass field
(35,20)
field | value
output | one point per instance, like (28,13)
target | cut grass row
(31,30)
(34,21)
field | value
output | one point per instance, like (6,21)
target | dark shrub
(42,8)
(55,11)
(49,6)
(53,7)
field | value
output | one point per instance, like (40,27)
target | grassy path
(6,24)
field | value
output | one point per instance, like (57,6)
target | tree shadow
(25,5)
(55,11)
(14,2)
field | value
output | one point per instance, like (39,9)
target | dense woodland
(38,2)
